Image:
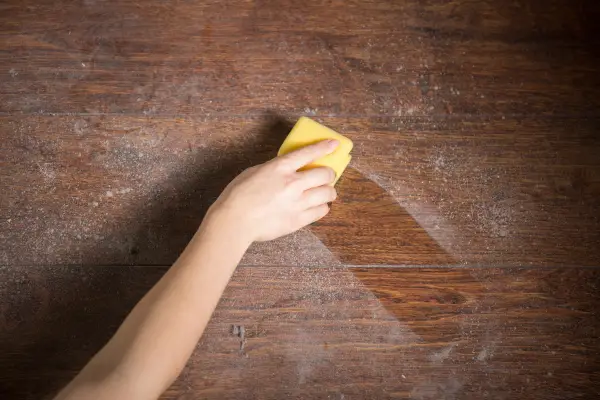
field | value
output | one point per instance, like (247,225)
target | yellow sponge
(305,132)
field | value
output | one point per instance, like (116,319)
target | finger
(313,214)
(318,196)
(315,177)
(301,157)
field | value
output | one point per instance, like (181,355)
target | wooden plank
(362,58)
(126,190)
(319,332)
(475,126)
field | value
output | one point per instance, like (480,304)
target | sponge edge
(307,132)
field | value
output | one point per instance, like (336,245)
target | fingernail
(333,175)
(333,144)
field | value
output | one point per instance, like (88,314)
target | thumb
(301,157)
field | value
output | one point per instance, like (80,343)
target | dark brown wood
(132,190)
(327,332)
(355,58)
(475,126)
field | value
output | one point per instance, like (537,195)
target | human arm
(152,345)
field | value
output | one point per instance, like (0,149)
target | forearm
(154,342)
(156,339)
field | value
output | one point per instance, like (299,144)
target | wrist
(225,225)
(217,238)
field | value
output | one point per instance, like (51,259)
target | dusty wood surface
(132,190)
(352,57)
(327,332)
(476,132)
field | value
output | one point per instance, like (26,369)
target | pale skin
(153,344)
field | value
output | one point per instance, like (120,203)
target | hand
(274,199)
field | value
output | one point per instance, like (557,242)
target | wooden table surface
(461,260)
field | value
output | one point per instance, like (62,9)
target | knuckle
(293,183)
(281,167)
(277,163)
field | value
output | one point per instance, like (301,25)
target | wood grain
(350,58)
(132,190)
(476,148)
(327,333)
